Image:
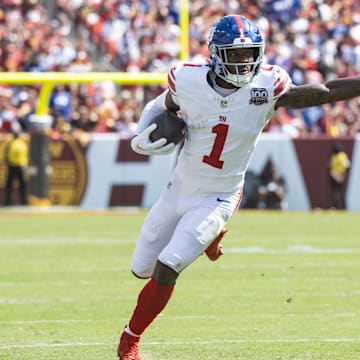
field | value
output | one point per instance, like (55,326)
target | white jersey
(222,132)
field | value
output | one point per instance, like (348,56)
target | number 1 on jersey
(213,159)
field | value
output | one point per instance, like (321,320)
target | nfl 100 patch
(258,96)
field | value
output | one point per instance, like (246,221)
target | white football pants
(180,226)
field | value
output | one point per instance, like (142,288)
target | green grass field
(287,288)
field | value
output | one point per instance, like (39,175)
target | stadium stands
(313,40)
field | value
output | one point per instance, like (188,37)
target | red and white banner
(107,173)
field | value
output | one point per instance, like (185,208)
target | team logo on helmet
(259,96)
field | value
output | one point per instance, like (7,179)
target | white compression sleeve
(152,108)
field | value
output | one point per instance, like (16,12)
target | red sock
(151,301)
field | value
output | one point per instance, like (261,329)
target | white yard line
(172,343)
(294,249)
(45,345)
(258,341)
(59,241)
(64,321)
(168,318)
(297,249)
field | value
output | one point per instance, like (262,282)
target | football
(169,126)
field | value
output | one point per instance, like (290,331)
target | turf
(287,288)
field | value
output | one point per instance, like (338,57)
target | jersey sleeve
(172,83)
(282,82)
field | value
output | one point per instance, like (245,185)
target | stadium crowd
(313,40)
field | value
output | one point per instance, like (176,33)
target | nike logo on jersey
(222,200)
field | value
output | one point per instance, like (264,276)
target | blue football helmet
(233,32)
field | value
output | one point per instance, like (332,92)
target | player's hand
(142,144)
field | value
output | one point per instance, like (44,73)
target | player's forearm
(343,89)
(151,109)
(313,95)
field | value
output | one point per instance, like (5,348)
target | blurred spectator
(272,191)
(339,164)
(250,198)
(61,103)
(16,106)
(314,40)
(16,159)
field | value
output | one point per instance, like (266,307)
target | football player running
(225,105)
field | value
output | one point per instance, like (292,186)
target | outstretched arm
(312,95)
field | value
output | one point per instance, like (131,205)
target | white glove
(142,144)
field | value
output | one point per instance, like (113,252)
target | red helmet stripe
(239,24)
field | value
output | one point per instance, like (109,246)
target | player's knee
(139,276)
(164,275)
(209,229)
(142,270)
